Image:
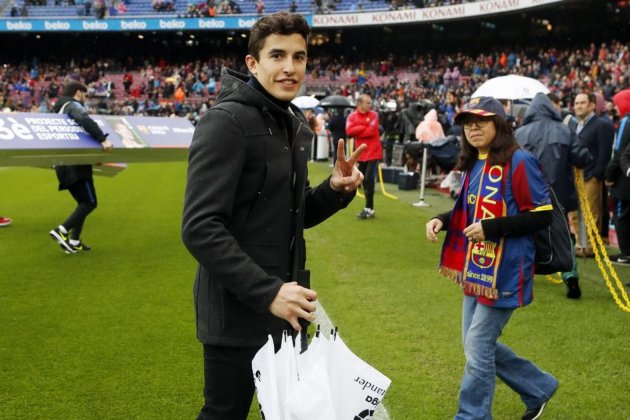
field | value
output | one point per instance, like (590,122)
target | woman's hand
(475,233)
(433,227)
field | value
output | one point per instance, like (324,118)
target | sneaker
(79,247)
(366,214)
(621,260)
(573,288)
(536,412)
(62,240)
(5,221)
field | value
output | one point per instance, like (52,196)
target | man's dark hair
(281,23)
(589,95)
(71,88)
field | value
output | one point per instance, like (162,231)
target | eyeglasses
(479,123)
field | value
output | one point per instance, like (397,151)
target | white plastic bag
(356,387)
(265,378)
(326,382)
(310,399)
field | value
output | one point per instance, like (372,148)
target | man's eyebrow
(281,51)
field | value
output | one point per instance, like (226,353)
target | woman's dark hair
(501,149)
(281,23)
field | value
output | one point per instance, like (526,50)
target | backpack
(553,243)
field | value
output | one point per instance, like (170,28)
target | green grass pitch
(109,334)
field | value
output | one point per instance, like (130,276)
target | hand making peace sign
(346,176)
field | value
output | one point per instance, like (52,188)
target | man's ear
(252,64)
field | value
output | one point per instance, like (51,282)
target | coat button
(301,148)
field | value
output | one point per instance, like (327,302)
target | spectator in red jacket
(362,124)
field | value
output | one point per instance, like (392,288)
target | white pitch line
(321,318)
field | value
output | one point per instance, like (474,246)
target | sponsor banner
(130,24)
(427,14)
(53,139)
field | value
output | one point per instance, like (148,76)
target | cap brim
(479,112)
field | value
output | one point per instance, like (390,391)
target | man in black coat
(77,179)
(618,178)
(337,126)
(597,134)
(557,148)
(246,205)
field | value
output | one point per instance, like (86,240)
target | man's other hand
(293,302)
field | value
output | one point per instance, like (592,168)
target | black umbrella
(336,101)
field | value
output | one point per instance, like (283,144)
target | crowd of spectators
(163,5)
(210,8)
(446,80)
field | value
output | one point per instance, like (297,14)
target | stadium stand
(591,67)
(182,8)
(435,66)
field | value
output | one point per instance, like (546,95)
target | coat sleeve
(625,161)
(322,202)
(78,113)
(614,168)
(216,159)
(605,136)
(355,127)
(578,153)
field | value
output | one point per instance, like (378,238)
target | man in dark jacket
(597,134)
(618,178)
(246,205)
(411,117)
(77,179)
(557,148)
(337,127)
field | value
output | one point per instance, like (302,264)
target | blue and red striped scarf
(474,266)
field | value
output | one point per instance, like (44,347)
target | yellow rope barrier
(600,249)
(380,179)
(557,279)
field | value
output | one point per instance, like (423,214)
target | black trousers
(229,382)
(368,169)
(622,225)
(84,194)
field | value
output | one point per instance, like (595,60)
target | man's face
(582,106)
(282,64)
(80,96)
(365,105)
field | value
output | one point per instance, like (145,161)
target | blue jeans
(486,358)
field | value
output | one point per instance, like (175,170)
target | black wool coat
(615,171)
(246,205)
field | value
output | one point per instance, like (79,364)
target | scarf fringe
(468,287)
(452,274)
